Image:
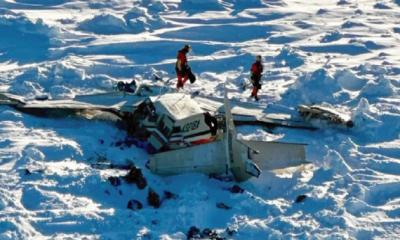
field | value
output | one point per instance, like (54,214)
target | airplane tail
(236,151)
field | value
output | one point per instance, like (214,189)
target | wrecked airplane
(185,133)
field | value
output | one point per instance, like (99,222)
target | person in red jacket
(182,67)
(256,73)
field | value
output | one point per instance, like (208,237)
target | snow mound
(239,4)
(343,2)
(136,20)
(363,116)
(54,78)
(61,92)
(331,37)
(349,81)
(352,24)
(381,87)
(155,6)
(19,34)
(104,24)
(316,87)
(43,2)
(368,68)
(288,57)
(103,81)
(202,5)
(139,19)
(349,49)
(334,161)
(381,5)
(28,89)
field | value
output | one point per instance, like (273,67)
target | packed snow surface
(341,53)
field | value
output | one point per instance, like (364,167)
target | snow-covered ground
(340,52)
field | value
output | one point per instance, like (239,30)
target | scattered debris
(222,178)
(325,113)
(236,189)
(207,233)
(101,158)
(231,231)
(193,233)
(131,141)
(210,234)
(27,172)
(106,165)
(300,198)
(223,206)
(135,176)
(153,199)
(134,205)
(170,195)
(115,181)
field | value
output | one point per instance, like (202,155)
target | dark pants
(255,80)
(182,77)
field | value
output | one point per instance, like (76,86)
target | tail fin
(237,153)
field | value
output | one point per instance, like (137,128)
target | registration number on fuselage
(191,126)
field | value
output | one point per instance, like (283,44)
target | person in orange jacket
(256,74)
(182,67)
